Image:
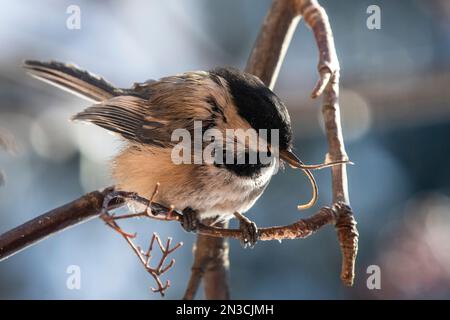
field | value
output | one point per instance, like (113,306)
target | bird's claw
(189,222)
(250,234)
(116,194)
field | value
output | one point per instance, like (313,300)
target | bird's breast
(234,192)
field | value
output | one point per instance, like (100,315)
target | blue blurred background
(395,102)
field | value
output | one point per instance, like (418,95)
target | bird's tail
(70,78)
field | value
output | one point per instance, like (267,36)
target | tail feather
(70,78)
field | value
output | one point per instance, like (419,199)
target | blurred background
(395,101)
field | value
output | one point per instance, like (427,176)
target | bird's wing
(124,115)
(175,103)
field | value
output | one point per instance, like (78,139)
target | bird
(145,117)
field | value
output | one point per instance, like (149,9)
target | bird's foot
(190,220)
(124,196)
(108,204)
(250,234)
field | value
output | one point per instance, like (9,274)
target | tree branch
(90,206)
(211,256)
(273,41)
(317,19)
(297,230)
(211,264)
(68,215)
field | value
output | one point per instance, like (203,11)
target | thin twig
(144,257)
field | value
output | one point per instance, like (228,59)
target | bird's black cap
(257,104)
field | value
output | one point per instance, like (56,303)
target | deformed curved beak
(289,157)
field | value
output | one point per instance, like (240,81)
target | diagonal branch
(273,41)
(47,224)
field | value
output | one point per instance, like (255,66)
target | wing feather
(175,103)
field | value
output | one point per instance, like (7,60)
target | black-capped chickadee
(147,115)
